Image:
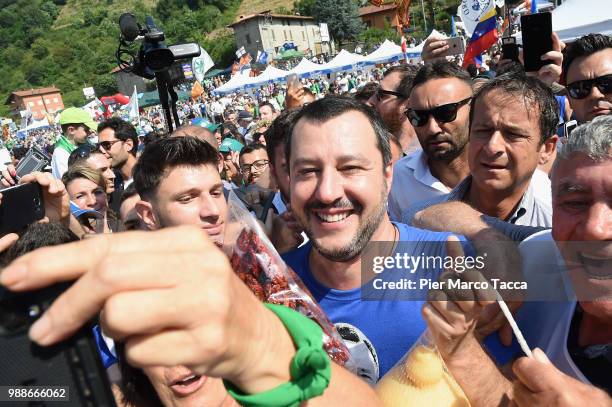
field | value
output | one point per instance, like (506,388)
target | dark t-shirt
(595,361)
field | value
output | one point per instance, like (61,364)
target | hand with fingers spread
(539,383)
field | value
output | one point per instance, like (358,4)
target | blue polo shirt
(378,332)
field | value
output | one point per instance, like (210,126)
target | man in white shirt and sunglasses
(439,112)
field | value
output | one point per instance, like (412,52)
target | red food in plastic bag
(274,282)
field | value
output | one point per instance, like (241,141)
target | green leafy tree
(304,7)
(105,85)
(375,36)
(341,16)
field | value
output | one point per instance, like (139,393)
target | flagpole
(424,18)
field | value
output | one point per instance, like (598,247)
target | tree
(375,36)
(304,7)
(105,85)
(341,16)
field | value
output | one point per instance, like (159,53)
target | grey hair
(593,139)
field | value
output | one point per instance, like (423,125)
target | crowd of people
(418,156)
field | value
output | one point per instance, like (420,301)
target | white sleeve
(59,162)
(5,157)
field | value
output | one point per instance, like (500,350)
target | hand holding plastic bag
(260,267)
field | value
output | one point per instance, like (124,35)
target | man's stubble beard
(365,231)
(458,147)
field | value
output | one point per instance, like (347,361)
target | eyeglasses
(257,165)
(107,145)
(380,92)
(443,114)
(582,89)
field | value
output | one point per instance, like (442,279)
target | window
(303,36)
(54,100)
(291,34)
(285,31)
(388,18)
(273,36)
(40,103)
(248,38)
(31,104)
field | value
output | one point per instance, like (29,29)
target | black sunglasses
(443,114)
(107,145)
(582,89)
(380,92)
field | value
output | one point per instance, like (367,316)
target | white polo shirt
(412,182)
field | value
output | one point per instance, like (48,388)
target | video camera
(154,58)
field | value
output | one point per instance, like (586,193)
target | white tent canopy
(575,18)
(270,74)
(305,68)
(236,82)
(344,61)
(386,52)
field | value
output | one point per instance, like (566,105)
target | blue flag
(534,6)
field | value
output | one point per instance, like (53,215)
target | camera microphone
(129,27)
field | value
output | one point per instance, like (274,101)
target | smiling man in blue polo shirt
(340,169)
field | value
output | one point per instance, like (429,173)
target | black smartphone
(69,373)
(510,49)
(21,206)
(34,160)
(537,39)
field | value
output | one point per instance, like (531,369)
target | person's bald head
(197,132)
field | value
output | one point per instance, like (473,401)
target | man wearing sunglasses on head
(439,112)
(588,76)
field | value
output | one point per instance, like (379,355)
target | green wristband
(310,368)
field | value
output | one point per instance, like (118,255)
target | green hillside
(71,43)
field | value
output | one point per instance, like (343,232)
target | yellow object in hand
(421,379)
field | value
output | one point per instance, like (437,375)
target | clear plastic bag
(260,267)
(421,378)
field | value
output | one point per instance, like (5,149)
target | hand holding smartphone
(510,49)
(72,368)
(21,206)
(537,40)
